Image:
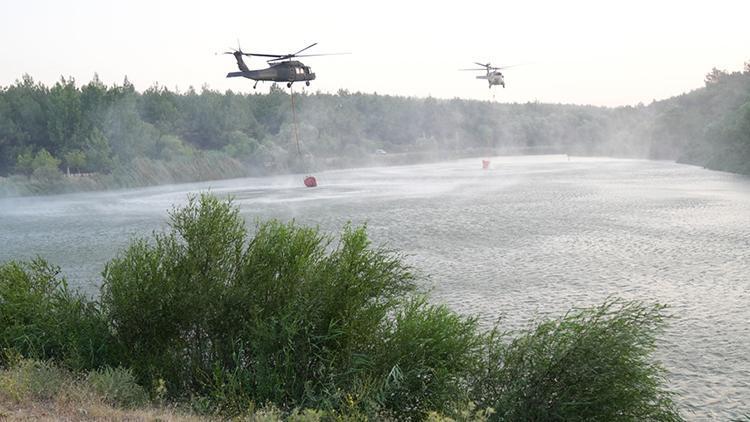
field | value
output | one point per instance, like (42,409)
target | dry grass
(33,390)
(58,411)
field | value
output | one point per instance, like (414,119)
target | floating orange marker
(311,182)
(485,164)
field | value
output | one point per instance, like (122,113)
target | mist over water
(530,237)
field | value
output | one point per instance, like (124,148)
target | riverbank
(145,172)
(142,172)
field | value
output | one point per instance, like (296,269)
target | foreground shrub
(428,353)
(294,319)
(41,318)
(593,364)
(286,316)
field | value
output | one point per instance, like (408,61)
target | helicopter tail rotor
(238,56)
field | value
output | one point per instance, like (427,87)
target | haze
(582,52)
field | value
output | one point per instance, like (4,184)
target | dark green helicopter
(282,67)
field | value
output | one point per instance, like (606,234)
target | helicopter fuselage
(287,71)
(494,78)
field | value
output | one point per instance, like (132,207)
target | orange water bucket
(311,182)
(485,164)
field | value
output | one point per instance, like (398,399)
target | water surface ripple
(530,237)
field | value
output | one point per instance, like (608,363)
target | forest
(71,137)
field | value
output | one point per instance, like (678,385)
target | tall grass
(590,364)
(286,316)
(41,318)
(225,318)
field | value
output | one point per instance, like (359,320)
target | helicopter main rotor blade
(482,69)
(292,55)
(323,54)
(482,64)
(279,58)
(289,56)
(261,55)
(309,46)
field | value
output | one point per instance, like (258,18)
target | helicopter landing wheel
(255,85)
(307,83)
(288,84)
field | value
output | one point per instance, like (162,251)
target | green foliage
(160,297)
(24,163)
(592,364)
(292,317)
(276,318)
(715,76)
(99,153)
(45,167)
(64,116)
(428,353)
(711,132)
(75,160)
(171,148)
(240,145)
(41,318)
(733,135)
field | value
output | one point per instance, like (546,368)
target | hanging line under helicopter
(294,121)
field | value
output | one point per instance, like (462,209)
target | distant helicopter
(282,67)
(493,76)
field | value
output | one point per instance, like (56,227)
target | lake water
(530,237)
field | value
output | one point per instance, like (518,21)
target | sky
(607,53)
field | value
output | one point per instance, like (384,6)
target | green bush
(292,318)
(428,352)
(287,316)
(593,364)
(41,318)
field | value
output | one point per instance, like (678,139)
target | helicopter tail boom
(235,74)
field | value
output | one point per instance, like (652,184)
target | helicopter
(281,67)
(493,76)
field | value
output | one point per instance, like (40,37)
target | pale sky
(583,52)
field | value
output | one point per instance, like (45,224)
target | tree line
(121,137)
